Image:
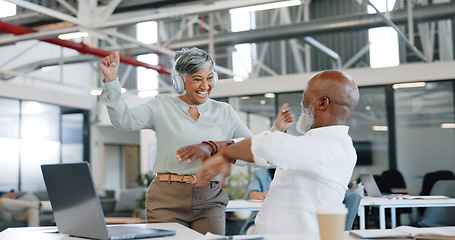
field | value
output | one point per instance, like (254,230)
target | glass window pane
(294,100)
(9,144)
(40,121)
(256,111)
(9,118)
(422,144)
(40,142)
(72,137)
(369,132)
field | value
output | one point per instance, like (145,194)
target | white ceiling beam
(36,35)
(151,15)
(105,12)
(47,11)
(68,6)
(135,41)
(166,51)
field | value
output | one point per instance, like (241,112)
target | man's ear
(323,103)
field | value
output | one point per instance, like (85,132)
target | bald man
(313,169)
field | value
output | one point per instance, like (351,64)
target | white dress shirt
(312,170)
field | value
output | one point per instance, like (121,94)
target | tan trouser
(201,209)
(19,210)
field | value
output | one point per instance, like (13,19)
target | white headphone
(178,82)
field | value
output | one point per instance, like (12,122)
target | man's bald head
(334,96)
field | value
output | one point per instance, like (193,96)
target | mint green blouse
(174,128)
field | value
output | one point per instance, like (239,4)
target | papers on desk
(407,232)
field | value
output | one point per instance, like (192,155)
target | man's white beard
(306,120)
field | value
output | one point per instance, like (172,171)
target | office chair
(352,202)
(429,179)
(394,178)
(440,216)
(432,177)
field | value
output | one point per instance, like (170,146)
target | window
(384,40)
(7,9)
(369,131)
(242,55)
(36,133)
(424,143)
(147,79)
(40,142)
(9,143)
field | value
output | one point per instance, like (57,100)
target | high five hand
(109,66)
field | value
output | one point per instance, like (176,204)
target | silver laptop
(77,208)
(372,189)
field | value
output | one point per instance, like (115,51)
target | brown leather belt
(171,177)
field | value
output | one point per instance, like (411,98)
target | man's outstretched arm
(220,163)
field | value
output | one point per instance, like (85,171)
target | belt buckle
(194,176)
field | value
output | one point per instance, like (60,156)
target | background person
(18,210)
(313,169)
(257,189)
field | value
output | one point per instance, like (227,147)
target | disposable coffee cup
(331,221)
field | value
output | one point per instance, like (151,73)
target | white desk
(243,205)
(383,203)
(183,233)
(48,233)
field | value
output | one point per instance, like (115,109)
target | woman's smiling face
(198,86)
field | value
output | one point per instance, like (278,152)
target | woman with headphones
(191,119)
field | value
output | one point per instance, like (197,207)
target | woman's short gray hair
(191,60)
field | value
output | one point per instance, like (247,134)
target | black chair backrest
(432,177)
(440,216)
(394,178)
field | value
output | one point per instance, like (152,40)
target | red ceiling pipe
(82,48)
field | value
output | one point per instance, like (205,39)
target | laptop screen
(74,200)
(77,208)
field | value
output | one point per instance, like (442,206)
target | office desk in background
(393,204)
(243,205)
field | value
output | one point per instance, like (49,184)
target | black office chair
(352,202)
(440,216)
(432,177)
(394,178)
(429,179)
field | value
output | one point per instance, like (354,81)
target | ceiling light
(245,98)
(68,36)
(448,125)
(262,102)
(269,95)
(368,108)
(409,85)
(265,6)
(380,128)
